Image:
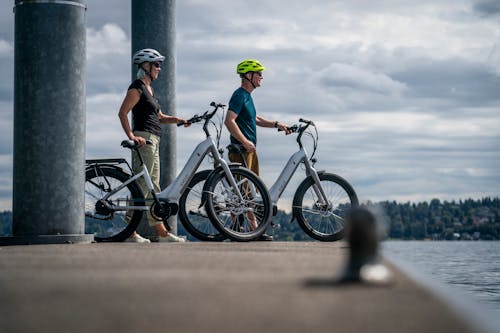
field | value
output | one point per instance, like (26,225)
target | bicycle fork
(318,189)
(232,182)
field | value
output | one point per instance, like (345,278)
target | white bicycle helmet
(147,55)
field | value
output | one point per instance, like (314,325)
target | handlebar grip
(182,124)
(292,128)
(302,120)
(217,105)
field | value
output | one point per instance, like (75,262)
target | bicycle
(322,199)
(114,203)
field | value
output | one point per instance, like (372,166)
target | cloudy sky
(406,94)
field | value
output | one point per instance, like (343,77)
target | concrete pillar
(49,122)
(153,26)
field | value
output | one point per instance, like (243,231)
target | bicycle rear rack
(114,162)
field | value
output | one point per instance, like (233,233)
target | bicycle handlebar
(305,121)
(131,144)
(205,116)
(217,105)
(292,128)
(300,129)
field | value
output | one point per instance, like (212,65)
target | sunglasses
(157,64)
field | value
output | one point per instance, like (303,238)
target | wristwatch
(276,123)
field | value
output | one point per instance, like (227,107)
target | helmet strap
(148,73)
(250,80)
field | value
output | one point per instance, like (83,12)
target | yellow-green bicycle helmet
(249,65)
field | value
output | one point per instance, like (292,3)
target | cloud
(108,59)
(493,59)
(404,93)
(6,136)
(6,48)
(109,41)
(5,181)
(7,65)
(346,76)
(487,7)
(454,81)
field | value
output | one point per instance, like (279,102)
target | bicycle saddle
(235,148)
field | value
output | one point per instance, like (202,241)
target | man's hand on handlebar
(285,128)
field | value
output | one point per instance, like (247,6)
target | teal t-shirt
(241,103)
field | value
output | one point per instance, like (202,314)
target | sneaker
(171,238)
(137,239)
(265,237)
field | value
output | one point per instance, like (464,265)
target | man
(242,119)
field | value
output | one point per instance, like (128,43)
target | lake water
(471,266)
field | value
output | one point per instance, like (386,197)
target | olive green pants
(151,157)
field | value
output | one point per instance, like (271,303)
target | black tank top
(145,112)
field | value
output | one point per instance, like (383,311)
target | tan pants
(251,162)
(251,159)
(151,157)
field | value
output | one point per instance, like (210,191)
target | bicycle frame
(288,171)
(173,192)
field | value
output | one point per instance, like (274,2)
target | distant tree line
(448,220)
(466,219)
(440,220)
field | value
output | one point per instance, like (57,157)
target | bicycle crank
(162,210)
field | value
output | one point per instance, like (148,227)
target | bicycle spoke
(239,215)
(107,219)
(324,220)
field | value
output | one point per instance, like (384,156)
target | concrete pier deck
(205,287)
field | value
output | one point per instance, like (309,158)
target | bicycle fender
(217,171)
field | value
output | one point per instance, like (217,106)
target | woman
(146,119)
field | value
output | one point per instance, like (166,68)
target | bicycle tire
(320,222)
(193,217)
(110,226)
(231,216)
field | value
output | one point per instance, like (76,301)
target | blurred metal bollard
(364,263)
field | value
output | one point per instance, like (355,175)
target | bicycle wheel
(239,220)
(324,221)
(193,217)
(110,225)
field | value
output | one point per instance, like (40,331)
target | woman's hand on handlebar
(183,122)
(139,140)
